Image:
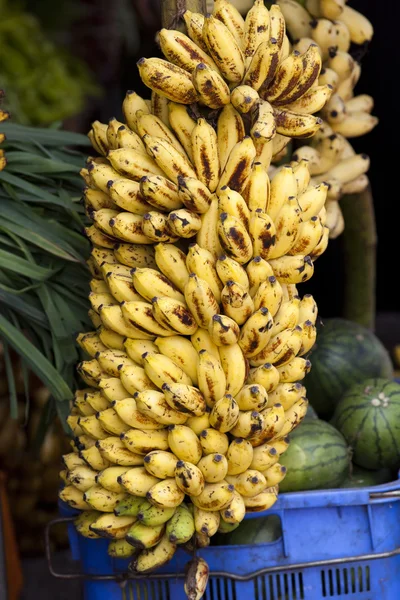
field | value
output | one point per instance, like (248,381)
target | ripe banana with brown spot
(230,131)
(212,89)
(224,49)
(167,79)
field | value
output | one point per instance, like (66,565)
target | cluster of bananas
(201,340)
(333,26)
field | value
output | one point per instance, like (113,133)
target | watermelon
(317,458)
(363,478)
(368,416)
(345,353)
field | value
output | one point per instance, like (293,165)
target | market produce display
(201,339)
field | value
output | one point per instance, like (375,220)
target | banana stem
(360,241)
(172,11)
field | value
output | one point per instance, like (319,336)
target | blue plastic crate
(342,544)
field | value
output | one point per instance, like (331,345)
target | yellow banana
(258,270)
(182,124)
(134,379)
(256,332)
(212,441)
(112,449)
(309,235)
(84,520)
(310,70)
(198,424)
(148,124)
(180,50)
(159,107)
(201,340)
(239,456)
(223,330)
(98,137)
(153,558)
(262,501)
(235,367)
(286,79)
(136,348)
(172,263)
(294,370)
(82,477)
(233,203)
(294,415)
(111,422)
(229,270)
(150,283)
(296,125)
(137,481)
(210,86)
(201,262)
(182,352)
(287,224)
(311,101)
(143,537)
(262,233)
(128,227)
(200,300)
(244,98)
(131,104)
(263,65)
(237,302)
(214,467)
(126,138)
(258,189)
(252,397)
(140,315)
(249,483)
(161,464)
(172,163)
(224,413)
(161,369)
(189,478)
(281,348)
(211,377)
(101,499)
(238,165)
(309,335)
(174,314)
(107,478)
(275,474)
(184,443)
(256,29)
(312,201)
(273,423)
(127,410)
(234,238)
(292,269)
(206,521)
(215,496)
(287,394)
(142,442)
(230,131)
(194,23)
(90,343)
(223,49)
(167,80)
(205,154)
(235,511)
(133,164)
(74,498)
(266,375)
(194,194)
(184,398)
(135,255)
(183,223)
(269,295)
(229,15)
(153,404)
(98,238)
(264,457)
(100,175)
(207,237)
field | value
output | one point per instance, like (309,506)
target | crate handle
(123,577)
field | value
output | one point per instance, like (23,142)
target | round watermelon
(345,353)
(317,458)
(368,416)
(364,478)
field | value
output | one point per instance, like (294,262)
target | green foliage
(43,274)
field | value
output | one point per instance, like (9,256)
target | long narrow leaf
(12,391)
(12,262)
(36,361)
(48,137)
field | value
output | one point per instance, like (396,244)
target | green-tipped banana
(180,527)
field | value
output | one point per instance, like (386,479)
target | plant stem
(360,240)
(172,11)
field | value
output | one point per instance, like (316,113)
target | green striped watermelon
(368,416)
(345,353)
(364,478)
(310,414)
(317,458)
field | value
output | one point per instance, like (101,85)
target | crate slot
(345,581)
(281,585)
(149,590)
(220,589)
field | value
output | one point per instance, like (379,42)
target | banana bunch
(200,337)
(332,159)
(333,27)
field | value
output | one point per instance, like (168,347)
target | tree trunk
(360,241)
(172,11)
